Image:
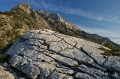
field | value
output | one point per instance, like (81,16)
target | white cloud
(114,36)
(110,18)
(91,15)
(80,12)
(102,32)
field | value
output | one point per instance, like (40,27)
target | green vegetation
(45,44)
(4,58)
(3,50)
(113,52)
(18,19)
(112,47)
(20,22)
(7,13)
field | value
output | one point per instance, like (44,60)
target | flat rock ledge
(50,55)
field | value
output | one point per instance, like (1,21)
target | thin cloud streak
(114,36)
(99,31)
(79,12)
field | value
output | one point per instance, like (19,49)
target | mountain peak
(27,18)
(44,12)
(26,7)
(56,17)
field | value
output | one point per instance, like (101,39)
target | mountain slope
(50,55)
(22,18)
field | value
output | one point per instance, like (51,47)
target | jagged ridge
(23,18)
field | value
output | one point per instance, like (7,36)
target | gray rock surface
(50,55)
(5,64)
(81,75)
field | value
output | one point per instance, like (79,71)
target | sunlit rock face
(51,55)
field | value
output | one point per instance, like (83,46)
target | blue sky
(93,16)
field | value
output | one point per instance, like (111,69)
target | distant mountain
(22,18)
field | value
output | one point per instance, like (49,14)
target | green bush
(109,52)
(112,47)
(4,58)
(113,52)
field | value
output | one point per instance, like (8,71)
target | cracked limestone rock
(50,55)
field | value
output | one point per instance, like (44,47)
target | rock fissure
(90,57)
(78,48)
(50,74)
(65,41)
(105,61)
(61,55)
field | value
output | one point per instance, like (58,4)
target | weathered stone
(5,64)
(33,42)
(113,63)
(98,74)
(115,75)
(81,75)
(45,68)
(77,55)
(15,62)
(95,53)
(26,36)
(56,75)
(31,71)
(22,78)
(16,48)
(65,70)
(5,74)
(68,39)
(64,60)
(50,55)
(58,46)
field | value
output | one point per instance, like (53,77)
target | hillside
(50,55)
(22,18)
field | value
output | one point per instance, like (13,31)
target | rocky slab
(50,55)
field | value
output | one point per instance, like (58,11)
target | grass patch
(113,52)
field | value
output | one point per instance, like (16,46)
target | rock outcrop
(50,55)
(23,18)
(4,74)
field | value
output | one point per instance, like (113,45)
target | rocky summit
(51,55)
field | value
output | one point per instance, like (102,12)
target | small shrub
(110,52)
(4,58)
(116,54)
(113,52)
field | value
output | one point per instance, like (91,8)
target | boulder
(5,64)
